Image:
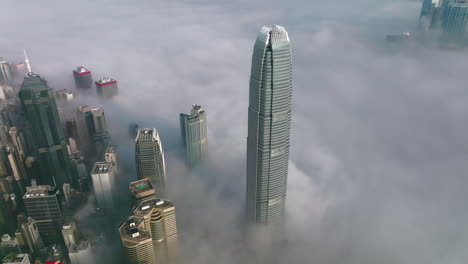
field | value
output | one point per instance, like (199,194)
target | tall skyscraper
(269,126)
(194,134)
(99,120)
(150,235)
(111,156)
(43,204)
(106,87)
(142,190)
(40,109)
(104,185)
(83,78)
(149,155)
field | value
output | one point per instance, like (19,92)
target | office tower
(150,235)
(194,134)
(106,87)
(104,185)
(6,74)
(85,126)
(269,126)
(83,78)
(64,96)
(112,157)
(81,253)
(99,120)
(30,235)
(9,245)
(43,204)
(14,258)
(455,21)
(142,190)
(70,234)
(18,169)
(41,113)
(149,156)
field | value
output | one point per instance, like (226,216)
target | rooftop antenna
(27,62)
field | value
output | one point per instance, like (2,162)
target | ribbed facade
(150,235)
(149,156)
(40,109)
(269,123)
(455,21)
(193,128)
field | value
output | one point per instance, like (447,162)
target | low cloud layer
(379,136)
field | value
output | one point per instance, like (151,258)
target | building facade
(43,204)
(83,78)
(269,123)
(150,235)
(106,87)
(40,109)
(149,155)
(193,129)
(104,185)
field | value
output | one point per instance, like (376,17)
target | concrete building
(6,74)
(149,155)
(43,204)
(150,235)
(14,258)
(106,87)
(104,185)
(99,121)
(111,156)
(70,234)
(193,128)
(83,78)
(269,123)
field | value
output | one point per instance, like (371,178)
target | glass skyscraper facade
(193,130)
(455,21)
(149,156)
(40,109)
(269,123)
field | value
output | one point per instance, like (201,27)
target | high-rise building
(18,168)
(18,141)
(194,134)
(6,74)
(83,78)
(40,109)
(455,21)
(149,155)
(70,234)
(85,127)
(31,237)
(106,87)
(14,258)
(104,185)
(142,190)
(150,235)
(99,120)
(43,204)
(7,213)
(269,123)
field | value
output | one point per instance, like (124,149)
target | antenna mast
(27,62)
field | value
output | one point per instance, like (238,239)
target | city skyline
(377,134)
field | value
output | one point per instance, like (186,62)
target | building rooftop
(80,70)
(145,207)
(40,191)
(141,188)
(106,81)
(14,258)
(102,167)
(129,230)
(111,149)
(147,134)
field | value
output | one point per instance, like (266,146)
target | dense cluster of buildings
(51,162)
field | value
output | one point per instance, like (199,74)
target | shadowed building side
(193,129)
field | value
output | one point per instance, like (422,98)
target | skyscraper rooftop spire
(27,63)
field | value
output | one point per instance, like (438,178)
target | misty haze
(378,143)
